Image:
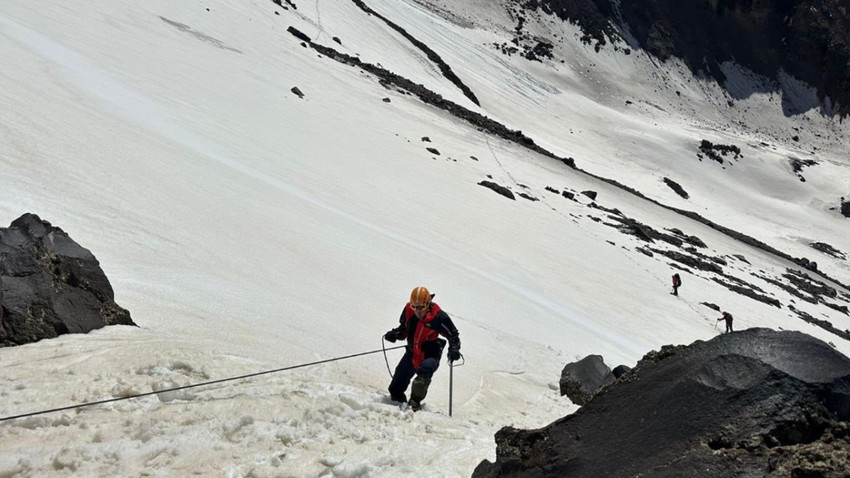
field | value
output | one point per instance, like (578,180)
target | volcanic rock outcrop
(580,380)
(807,39)
(752,403)
(50,285)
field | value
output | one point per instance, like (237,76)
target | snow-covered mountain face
(808,40)
(247,227)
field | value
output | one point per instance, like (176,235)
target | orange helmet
(420,296)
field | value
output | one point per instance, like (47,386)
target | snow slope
(248,229)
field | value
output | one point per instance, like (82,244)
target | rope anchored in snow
(202,384)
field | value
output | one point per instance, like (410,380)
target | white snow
(247,229)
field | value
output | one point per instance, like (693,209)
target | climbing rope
(386,360)
(202,384)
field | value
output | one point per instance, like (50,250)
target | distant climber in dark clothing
(728,318)
(421,323)
(677,282)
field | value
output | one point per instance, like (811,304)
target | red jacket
(423,336)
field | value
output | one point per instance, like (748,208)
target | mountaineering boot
(418,392)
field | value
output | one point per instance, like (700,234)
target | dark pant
(404,372)
(728,326)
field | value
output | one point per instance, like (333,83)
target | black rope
(100,402)
(386,360)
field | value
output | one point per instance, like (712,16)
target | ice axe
(451,380)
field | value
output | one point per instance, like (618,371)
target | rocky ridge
(752,403)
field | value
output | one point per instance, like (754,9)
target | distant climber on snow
(421,324)
(728,318)
(677,282)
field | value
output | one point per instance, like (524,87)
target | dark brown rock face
(756,403)
(50,285)
(808,39)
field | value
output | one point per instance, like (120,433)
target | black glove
(454,349)
(391,336)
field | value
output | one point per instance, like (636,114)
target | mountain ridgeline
(808,39)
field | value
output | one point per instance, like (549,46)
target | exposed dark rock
(542,49)
(806,263)
(840,308)
(645,251)
(580,380)
(790,289)
(719,151)
(614,211)
(433,151)
(690,261)
(551,189)
(297,92)
(386,100)
(845,208)
(695,252)
(798,164)
(499,189)
(527,196)
(593,16)
(447,71)
(620,370)
(693,240)
(676,187)
(756,403)
(50,285)
(590,194)
(741,257)
(336,39)
(747,291)
(827,249)
(633,228)
(568,195)
(642,231)
(824,324)
(426,139)
(533,48)
(811,286)
(298,34)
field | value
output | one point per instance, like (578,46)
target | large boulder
(580,380)
(756,403)
(50,285)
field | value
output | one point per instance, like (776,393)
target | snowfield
(247,229)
